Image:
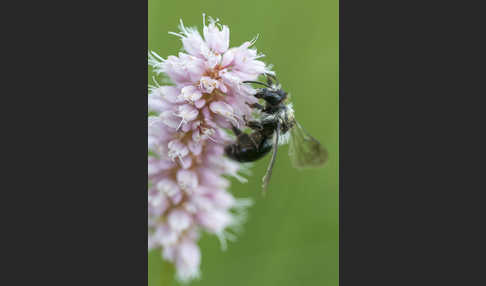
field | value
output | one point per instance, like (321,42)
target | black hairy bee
(273,128)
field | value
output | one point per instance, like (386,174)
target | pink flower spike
(169,118)
(187,113)
(187,180)
(179,220)
(191,40)
(187,259)
(217,40)
(208,84)
(200,103)
(177,150)
(190,93)
(215,221)
(188,192)
(225,110)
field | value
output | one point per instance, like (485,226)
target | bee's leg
(254,142)
(236,130)
(255,125)
(260,93)
(243,137)
(268,173)
(257,106)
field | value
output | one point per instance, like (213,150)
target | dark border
(411,156)
(79,205)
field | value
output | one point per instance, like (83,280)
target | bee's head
(272,96)
(282,94)
(272,92)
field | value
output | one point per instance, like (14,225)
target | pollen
(214,72)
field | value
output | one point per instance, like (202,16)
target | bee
(277,125)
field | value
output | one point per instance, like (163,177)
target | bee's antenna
(257,82)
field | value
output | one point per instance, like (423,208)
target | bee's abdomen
(247,153)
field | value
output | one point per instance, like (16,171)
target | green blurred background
(292,235)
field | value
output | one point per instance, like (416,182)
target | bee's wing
(304,150)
